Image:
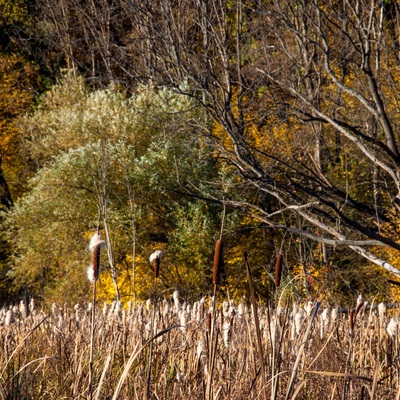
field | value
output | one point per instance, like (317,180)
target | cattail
(77,309)
(96,240)
(218,262)
(177,304)
(325,321)
(166,307)
(96,244)
(309,307)
(226,333)
(352,319)
(225,309)
(118,309)
(148,327)
(278,271)
(54,309)
(32,305)
(295,309)
(392,327)
(91,274)
(298,322)
(96,263)
(155,258)
(274,328)
(22,309)
(9,318)
(334,315)
(209,323)
(381,310)
(242,310)
(183,320)
(200,349)
(148,303)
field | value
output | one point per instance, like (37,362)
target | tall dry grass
(46,355)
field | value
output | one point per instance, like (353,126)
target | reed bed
(309,352)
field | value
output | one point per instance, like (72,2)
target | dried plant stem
(153,315)
(212,347)
(133,356)
(93,316)
(212,344)
(257,325)
(21,343)
(218,262)
(301,349)
(103,374)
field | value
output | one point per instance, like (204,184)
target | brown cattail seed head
(209,323)
(218,262)
(96,262)
(155,258)
(278,271)
(95,245)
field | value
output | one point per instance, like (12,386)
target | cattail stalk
(217,268)
(278,271)
(155,258)
(218,262)
(90,391)
(96,244)
(257,326)
(301,350)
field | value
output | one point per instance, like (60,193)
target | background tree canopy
(161,114)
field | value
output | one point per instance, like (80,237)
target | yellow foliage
(271,136)
(140,289)
(18,83)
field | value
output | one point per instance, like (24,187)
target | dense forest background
(170,123)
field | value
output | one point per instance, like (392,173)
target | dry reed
(44,355)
